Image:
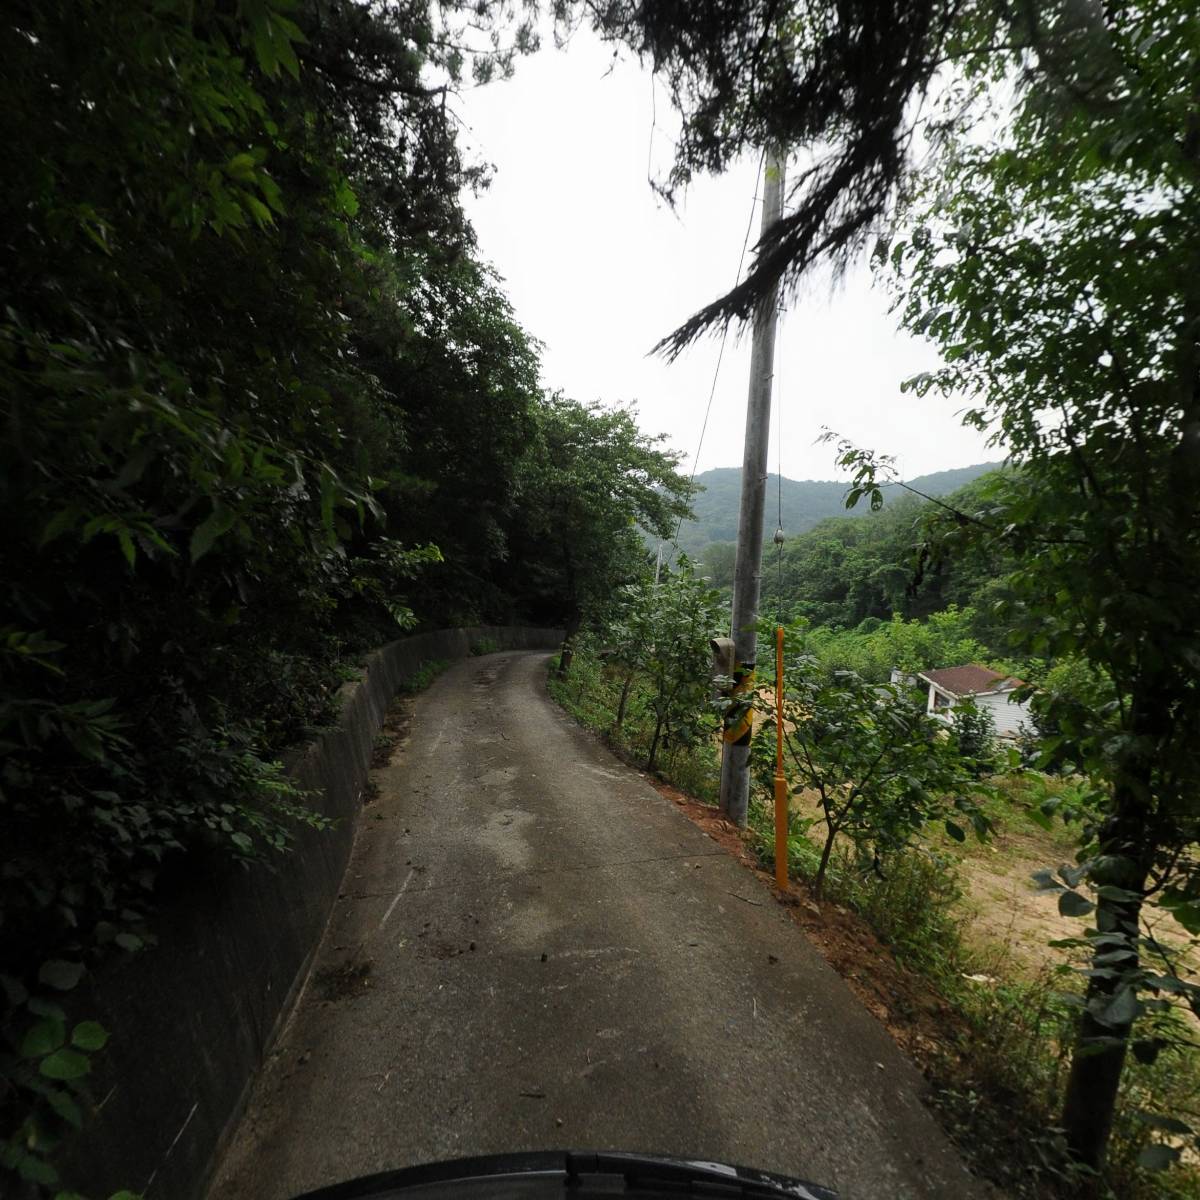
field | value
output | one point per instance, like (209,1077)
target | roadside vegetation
(265,408)
(1027,179)
(932,838)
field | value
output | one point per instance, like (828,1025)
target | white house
(988,689)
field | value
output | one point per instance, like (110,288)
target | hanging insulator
(779,536)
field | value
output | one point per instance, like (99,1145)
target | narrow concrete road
(559,959)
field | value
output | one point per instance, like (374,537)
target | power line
(724,339)
(779,481)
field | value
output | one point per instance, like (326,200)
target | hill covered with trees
(805,502)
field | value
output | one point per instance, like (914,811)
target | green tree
(588,480)
(1059,272)
(717,561)
(849,570)
(974,734)
(205,451)
(876,647)
(663,639)
(1057,268)
(880,768)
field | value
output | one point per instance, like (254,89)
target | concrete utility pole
(735,753)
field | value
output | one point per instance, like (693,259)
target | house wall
(1007,714)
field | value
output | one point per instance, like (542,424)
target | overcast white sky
(598,269)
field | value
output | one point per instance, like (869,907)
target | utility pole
(735,750)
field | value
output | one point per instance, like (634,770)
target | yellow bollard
(781,791)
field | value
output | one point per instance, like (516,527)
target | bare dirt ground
(1005,911)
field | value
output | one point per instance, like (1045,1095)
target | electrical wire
(724,338)
(779,475)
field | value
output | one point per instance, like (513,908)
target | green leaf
(1045,880)
(1167,1124)
(264,50)
(65,1064)
(37,1170)
(1157,1157)
(129,941)
(258,210)
(241,166)
(133,469)
(1186,912)
(1121,895)
(66,1107)
(287,56)
(43,1038)
(14,990)
(1147,1050)
(58,524)
(1072,904)
(127,547)
(60,974)
(1120,1010)
(218,522)
(44,1008)
(1072,876)
(956,831)
(89,1035)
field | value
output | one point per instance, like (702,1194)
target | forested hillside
(848,569)
(845,570)
(265,409)
(805,502)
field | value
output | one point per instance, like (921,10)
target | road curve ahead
(535,950)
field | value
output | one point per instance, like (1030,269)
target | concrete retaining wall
(192,1020)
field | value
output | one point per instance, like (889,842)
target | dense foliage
(590,481)
(877,767)
(263,409)
(660,644)
(848,571)
(805,503)
(1061,284)
(1052,255)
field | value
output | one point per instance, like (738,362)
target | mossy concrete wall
(192,1020)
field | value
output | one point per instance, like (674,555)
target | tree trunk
(658,724)
(819,880)
(568,647)
(625,687)
(1100,1046)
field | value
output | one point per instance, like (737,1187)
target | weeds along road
(534,950)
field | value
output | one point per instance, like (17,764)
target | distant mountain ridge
(805,502)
